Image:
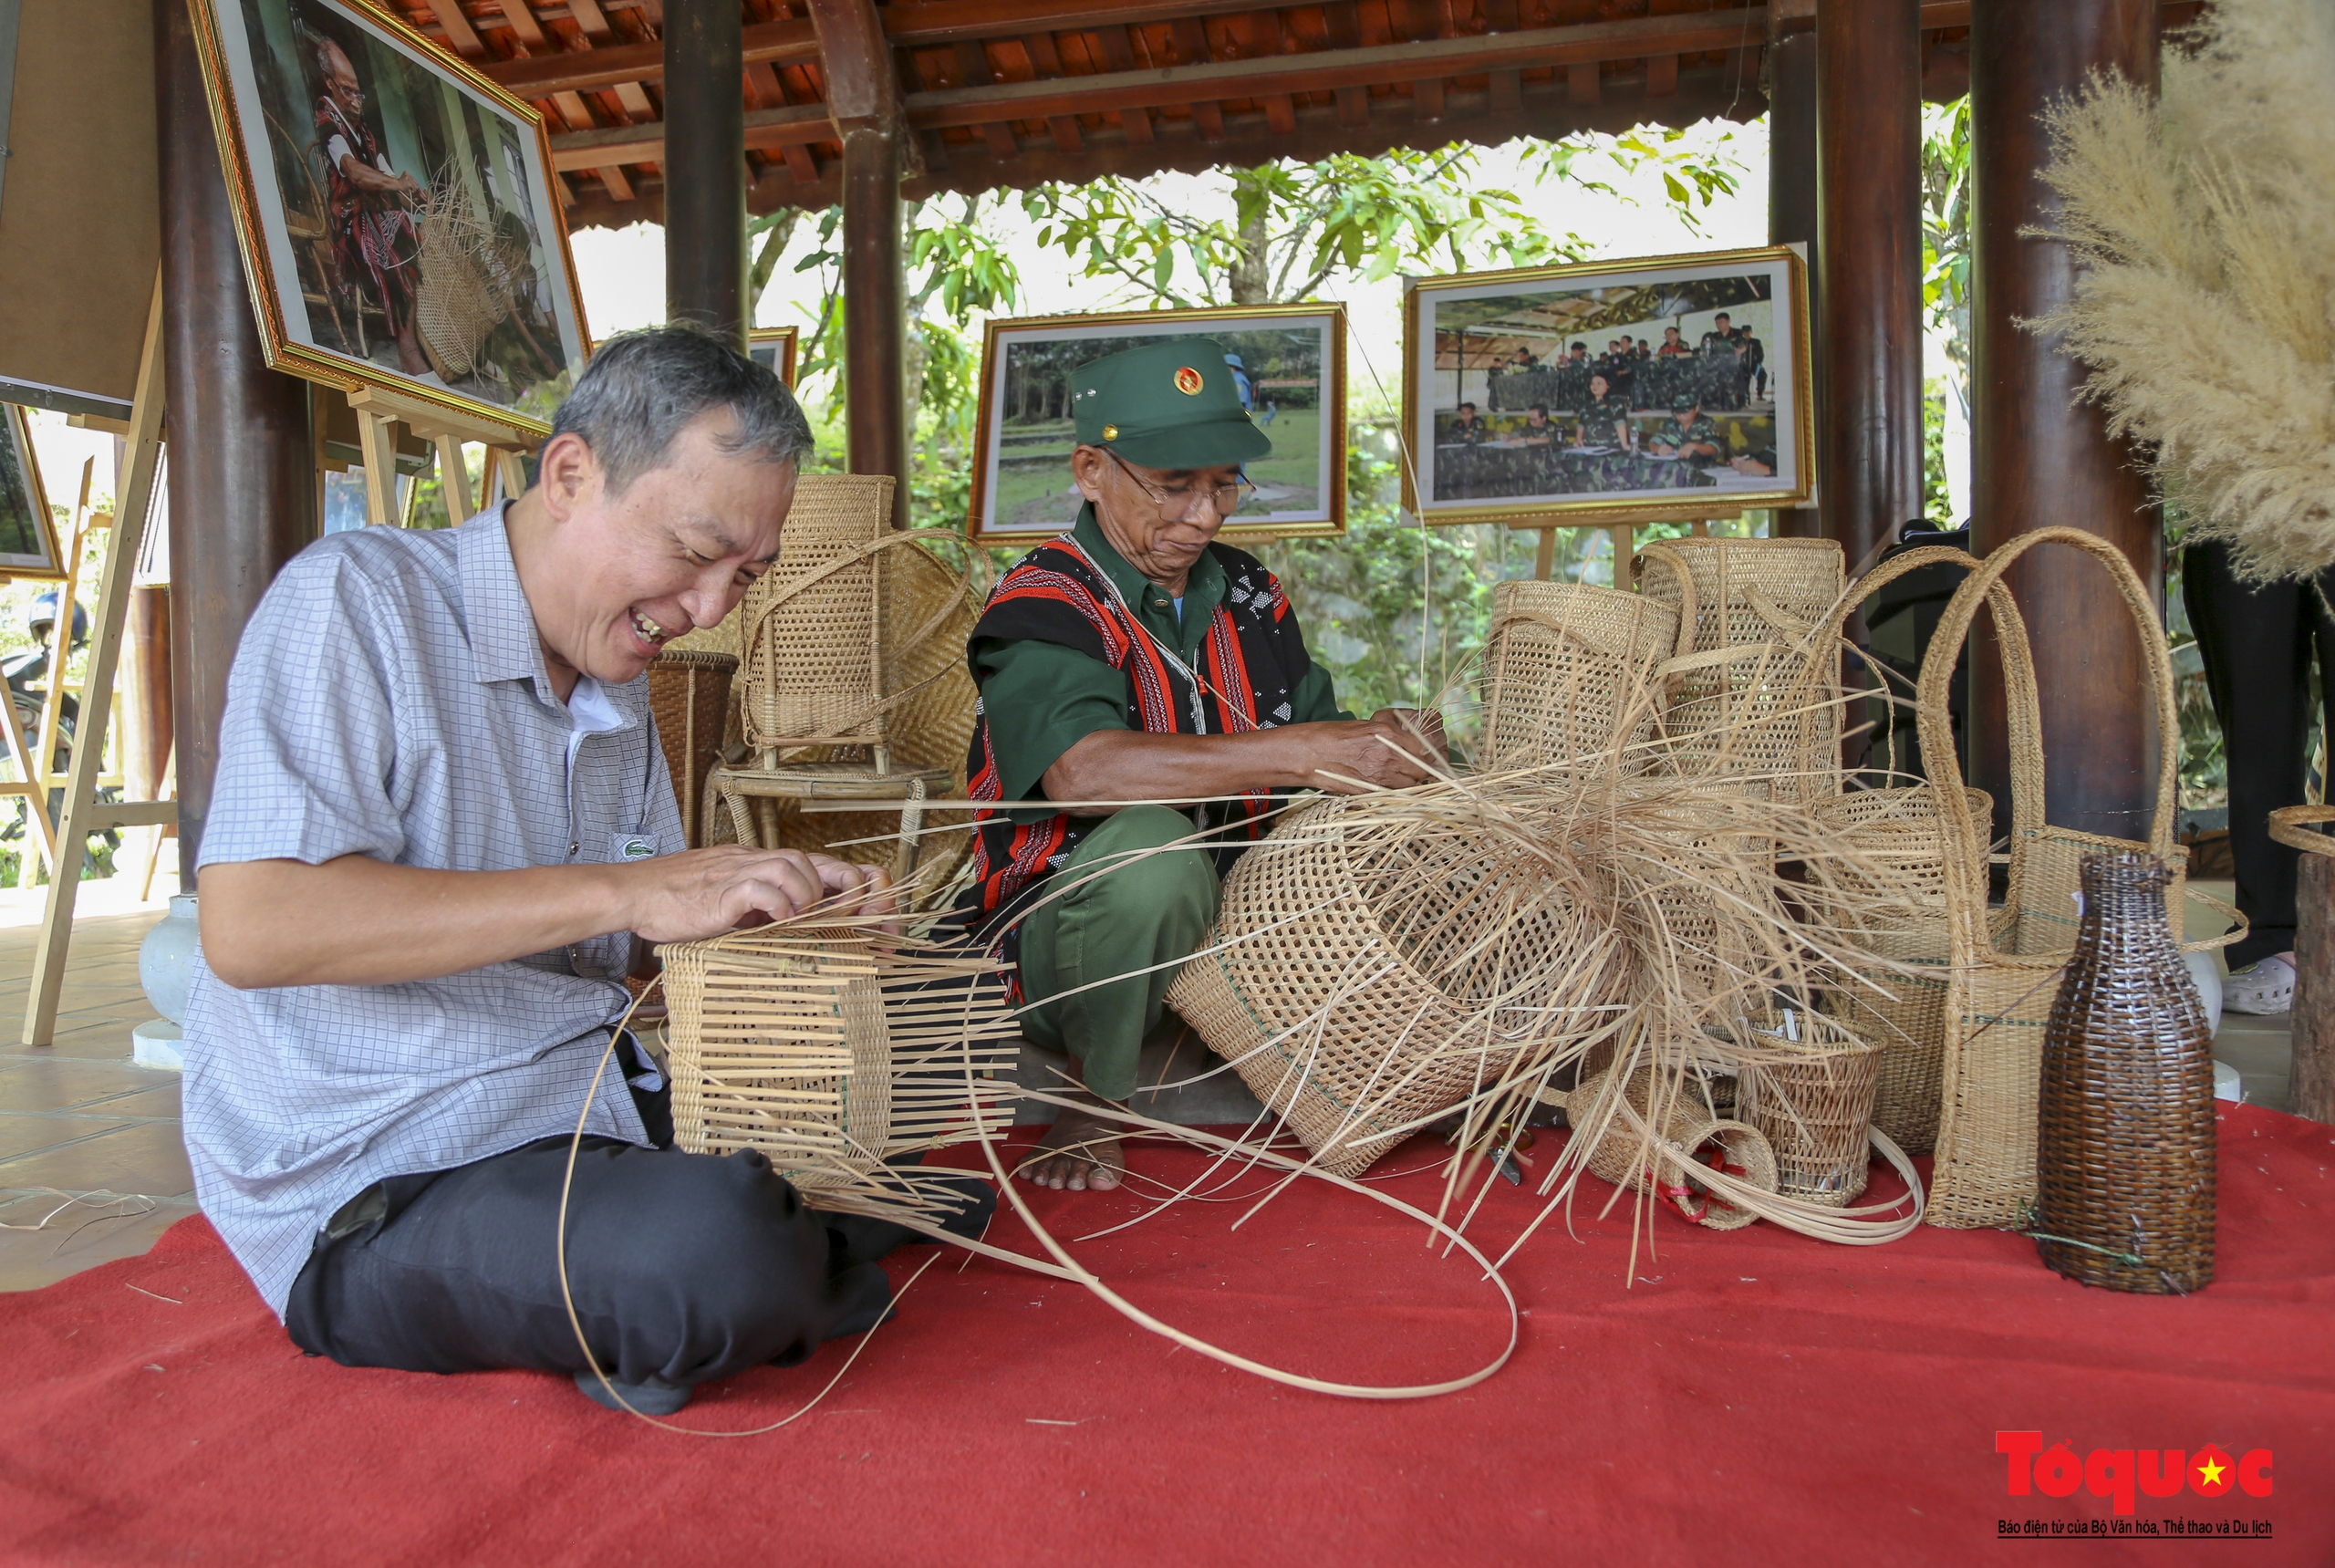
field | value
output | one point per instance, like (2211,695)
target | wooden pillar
(705,166)
(242,469)
(1792,208)
(2038,458)
(1869,198)
(862,95)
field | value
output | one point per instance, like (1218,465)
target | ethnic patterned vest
(1249,665)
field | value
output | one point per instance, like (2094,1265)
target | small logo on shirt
(633,846)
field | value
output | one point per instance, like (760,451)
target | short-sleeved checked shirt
(390,697)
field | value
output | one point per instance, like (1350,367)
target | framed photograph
(1288,362)
(399,220)
(774,348)
(1671,388)
(29,544)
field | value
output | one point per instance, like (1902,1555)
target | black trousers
(2258,643)
(685,1268)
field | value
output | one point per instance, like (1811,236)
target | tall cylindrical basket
(2126,1139)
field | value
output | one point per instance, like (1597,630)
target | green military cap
(1681,402)
(1172,405)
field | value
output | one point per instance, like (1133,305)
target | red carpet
(1757,1397)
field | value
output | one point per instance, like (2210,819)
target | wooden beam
(923,23)
(766,129)
(523,22)
(459,31)
(972,63)
(788,42)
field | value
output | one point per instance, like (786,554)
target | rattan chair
(812,709)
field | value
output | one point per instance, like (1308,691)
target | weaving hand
(705,892)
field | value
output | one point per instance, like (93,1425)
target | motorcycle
(26,675)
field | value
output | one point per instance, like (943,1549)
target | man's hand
(705,892)
(1390,750)
(357,920)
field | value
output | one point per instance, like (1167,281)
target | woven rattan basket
(1344,967)
(2126,1146)
(834,1052)
(1567,675)
(688,696)
(1690,1138)
(2005,966)
(1895,835)
(811,637)
(1752,617)
(928,614)
(1812,1101)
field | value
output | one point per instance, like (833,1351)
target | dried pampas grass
(2207,305)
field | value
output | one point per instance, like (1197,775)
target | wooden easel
(379,412)
(84,814)
(1623,535)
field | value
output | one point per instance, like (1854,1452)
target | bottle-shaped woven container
(2124,1152)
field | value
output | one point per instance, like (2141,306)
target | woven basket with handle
(2006,965)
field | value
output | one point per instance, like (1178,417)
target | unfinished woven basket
(1568,676)
(1745,704)
(689,697)
(2005,967)
(1686,1139)
(1813,1100)
(2126,1142)
(1363,981)
(834,1051)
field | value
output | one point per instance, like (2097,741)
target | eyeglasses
(1175,506)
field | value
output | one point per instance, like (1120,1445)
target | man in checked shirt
(441,829)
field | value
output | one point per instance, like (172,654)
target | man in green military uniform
(1604,424)
(1134,659)
(1688,433)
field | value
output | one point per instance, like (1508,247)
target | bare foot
(1081,1151)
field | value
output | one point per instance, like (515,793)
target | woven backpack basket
(1568,674)
(1751,616)
(1345,966)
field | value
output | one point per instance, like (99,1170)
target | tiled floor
(89,1143)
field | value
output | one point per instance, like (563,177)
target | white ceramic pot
(166,959)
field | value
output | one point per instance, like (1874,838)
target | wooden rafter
(1014,92)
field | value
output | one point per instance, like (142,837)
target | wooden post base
(2310,1086)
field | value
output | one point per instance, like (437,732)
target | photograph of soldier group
(1637,417)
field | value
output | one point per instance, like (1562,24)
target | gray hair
(642,389)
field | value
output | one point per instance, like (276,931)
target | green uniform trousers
(1110,913)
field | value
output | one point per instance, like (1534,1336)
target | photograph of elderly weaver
(440,834)
(1134,659)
